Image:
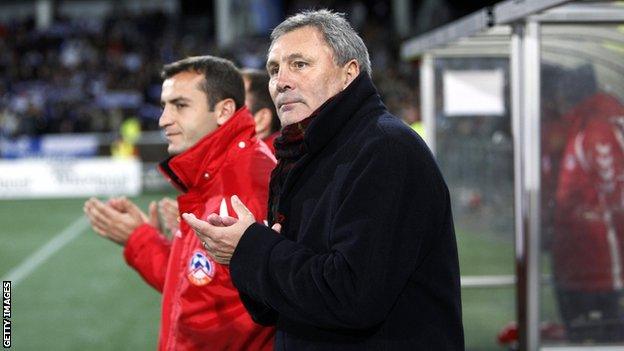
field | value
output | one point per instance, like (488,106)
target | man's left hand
(220,235)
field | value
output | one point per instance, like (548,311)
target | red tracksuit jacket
(201,309)
(588,247)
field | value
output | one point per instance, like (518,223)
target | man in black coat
(362,252)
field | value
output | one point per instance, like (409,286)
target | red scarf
(289,148)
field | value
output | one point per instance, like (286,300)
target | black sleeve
(260,313)
(378,237)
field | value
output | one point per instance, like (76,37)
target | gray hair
(345,43)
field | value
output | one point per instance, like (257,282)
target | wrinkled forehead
(298,42)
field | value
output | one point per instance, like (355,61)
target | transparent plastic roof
(487,32)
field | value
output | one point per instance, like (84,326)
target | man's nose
(283,81)
(164,119)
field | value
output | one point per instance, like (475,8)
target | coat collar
(337,111)
(204,159)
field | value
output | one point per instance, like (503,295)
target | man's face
(303,74)
(186,117)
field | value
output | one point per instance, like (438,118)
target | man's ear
(352,70)
(262,119)
(224,109)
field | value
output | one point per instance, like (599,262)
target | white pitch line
(32,262)
(488,281)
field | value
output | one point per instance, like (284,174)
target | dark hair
(259,93)
(221,78)
(338,33)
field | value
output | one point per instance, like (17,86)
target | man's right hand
(115,220)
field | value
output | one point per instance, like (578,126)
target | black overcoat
(367,258)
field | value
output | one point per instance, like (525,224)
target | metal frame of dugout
(513,29)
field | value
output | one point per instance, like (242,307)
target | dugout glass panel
(474,143)
(474,149)
(582,183)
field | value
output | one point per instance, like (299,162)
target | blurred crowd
(89,75)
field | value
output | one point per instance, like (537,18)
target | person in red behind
(211,136)
(588,243)
(259,102)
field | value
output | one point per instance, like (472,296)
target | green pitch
(84,297)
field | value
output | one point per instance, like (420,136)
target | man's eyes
(300,64)
(273,71)
(177,105)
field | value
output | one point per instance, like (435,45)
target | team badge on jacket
(201,269)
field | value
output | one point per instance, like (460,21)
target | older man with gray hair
(361,254)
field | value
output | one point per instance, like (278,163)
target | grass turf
(84,297)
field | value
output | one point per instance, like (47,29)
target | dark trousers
(592,316)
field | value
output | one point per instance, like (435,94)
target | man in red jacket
(258,101)
(211,135)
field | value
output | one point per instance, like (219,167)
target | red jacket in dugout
(201,309)
(589,241)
